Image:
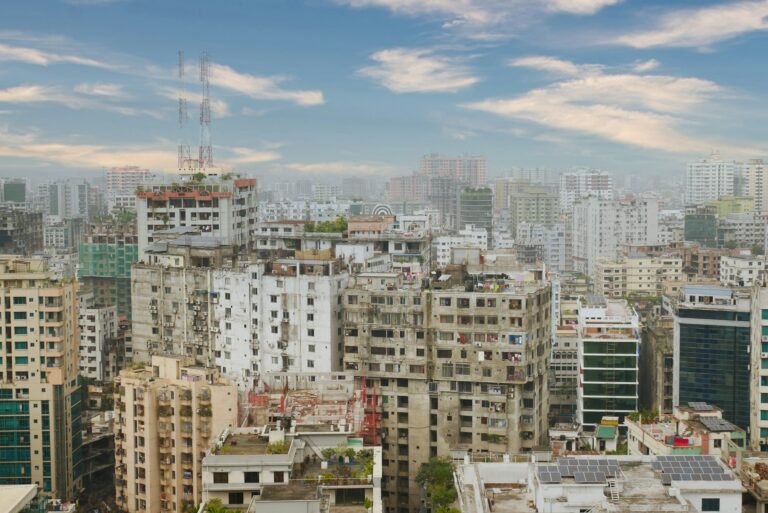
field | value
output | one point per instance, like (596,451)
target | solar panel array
(690,468)
(582,470)
(550,474)
(717,425)
(699,406)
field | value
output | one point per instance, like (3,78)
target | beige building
(448,370)
(40,395)
(637,275)
(166,414)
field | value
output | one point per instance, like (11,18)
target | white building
(64,199)
(124,180)
(753,178)
(97,325)
(550,238)
(216,207)
(742,271)
(118,202)
(469,237)
(709,178)
(602,227)
(745,229)
(584,183)
(324,192)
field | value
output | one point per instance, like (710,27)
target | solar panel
(699,406)
(717,425)
(666,479)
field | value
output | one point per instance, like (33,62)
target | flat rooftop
(242,445)
(289,492)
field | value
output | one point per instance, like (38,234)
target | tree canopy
(336,226)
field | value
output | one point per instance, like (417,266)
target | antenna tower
(185,161)
(205,153)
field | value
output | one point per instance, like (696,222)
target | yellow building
(165,416)
(732,205)
(637,275)
(40,395)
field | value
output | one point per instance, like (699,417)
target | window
(311,285)
(311,348)
(251,477)
(710,504)
(352,300)
(221,477)
(274,329)
(279,477)
(235,497)
(273,299)
(310,317)
(310,332)
(310,364)
(310,301)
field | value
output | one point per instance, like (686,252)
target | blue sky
(332,88)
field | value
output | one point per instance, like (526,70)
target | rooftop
(243,444)
(290,492)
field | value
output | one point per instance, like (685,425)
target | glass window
(710,504)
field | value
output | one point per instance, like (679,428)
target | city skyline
(325,88)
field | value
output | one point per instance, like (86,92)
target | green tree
(215,506)
(757,249)
(731,244)
(198,177)
(436,476)
(338,225)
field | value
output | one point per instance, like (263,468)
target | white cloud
(241,155)
(44,58)
(703,26)
(404,70)
(343,167)
(579,6)
(648,111)
(219,108)
(645,66)
(554,65)
(101,89)
(261,88)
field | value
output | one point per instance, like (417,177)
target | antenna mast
(184,158)
(205,153)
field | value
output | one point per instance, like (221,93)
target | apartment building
(476,208)
(166,415)
(469,237)
(125,180)
(709,179)
(21,232)
(637,275)
(742,270)
(533,204)
(712,341)
(449,369)
(758,378)
(583,183)
(217,207)
(61,234)
(98,328)
(40,393)
(468,169)
(564,362)
(609,348)
(657,364)
(552,240)
(744,230)
(753,176)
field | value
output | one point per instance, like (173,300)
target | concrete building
(602,227)
(106,253)
(709,179)
(726,205)
(758,364)
(637,275)
(753,175)
(476,208)
(61,234)
(98,325)
(216,207)
(742,271)
(325,192)
(583,183)
(467,169)
(551,239)
(167,414)
(712,350)
(21,232)
(609,349)
(533,204)
(657,364)
(125,180)
(700,225)
(744,230)
(697,428)
(40,393)
(469,237)
(451,369)
(564,362)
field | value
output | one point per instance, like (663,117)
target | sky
(327,89)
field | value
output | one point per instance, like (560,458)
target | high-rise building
(217,207)
(637,275)
(166,416)
(657,359)
(709,179)
(609,349)
(98,325)
(701,225)
(125,180)
(582,184)
(61,234)
(476,208)
(21,232)
(712,349)
(533,204)
(40,392)
(106,253)
(15,191)
(753,175)
(469,170)
(758,379)
(448,369)
(65,199)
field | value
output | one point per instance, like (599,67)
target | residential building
(743,230)
(609,349)
(40,392)
(123,181)
(636,275)
(61,234)
(450,369)
(551,240)
(758,377)
(469,237)
(15,192)
(725,205)
(217,207)
(106,252)
(700,225)
(65,199)
(98,325)
(21,232)
(742,271)
(602,227)
(476,208)
(167,415)
(754,182)
(533,204)
(657,364)
(583,183)
(709,179)
(712,349)
(469,170)
(325,192)
(564,362)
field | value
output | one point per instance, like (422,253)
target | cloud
(645,66)
(27,94)
(554,65)
(219,108)
(261,88)
(647,111)
(44,58)
(250,156)
(343,168)
(701,27)
(404,70)
(101,89)
(579,6)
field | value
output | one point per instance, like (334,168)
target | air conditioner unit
(478,344)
